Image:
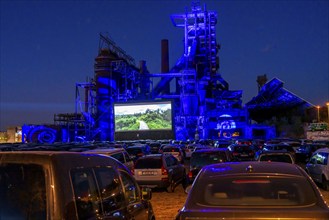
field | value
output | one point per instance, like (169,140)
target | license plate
(148,173)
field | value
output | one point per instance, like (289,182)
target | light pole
(318,107)
(328,110)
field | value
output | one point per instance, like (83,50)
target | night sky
(48,46)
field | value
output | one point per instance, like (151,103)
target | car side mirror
(146,193)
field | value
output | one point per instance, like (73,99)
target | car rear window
(256,191)
(151,163)
(205,158)
(242,149)
(22,191)
(170,149)
(276,158)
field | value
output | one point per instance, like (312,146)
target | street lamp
(328,110)
(318,107)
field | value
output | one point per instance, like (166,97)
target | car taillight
(235,154)
(190,175)
(164,171)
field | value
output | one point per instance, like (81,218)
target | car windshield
(242,148)
(255,191)
(151,163)
(205,158)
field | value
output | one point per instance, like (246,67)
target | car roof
(136,146)
(152,155)
(325,149)
(275,152)
(211,150)
(251,168)
(105,150)
(68,159)
(171,146)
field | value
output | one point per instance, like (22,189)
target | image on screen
(143,116)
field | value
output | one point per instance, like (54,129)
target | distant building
(12,135)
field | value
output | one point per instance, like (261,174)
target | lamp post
(318,107)
(328,110)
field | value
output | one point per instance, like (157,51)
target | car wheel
(185,181)
(325,183)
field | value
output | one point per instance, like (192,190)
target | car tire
(325,183)
(185,181)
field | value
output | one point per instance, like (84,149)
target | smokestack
(164,56)
(261,80)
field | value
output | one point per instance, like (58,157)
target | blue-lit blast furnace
(203,105)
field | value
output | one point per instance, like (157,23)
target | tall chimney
(261,80)
(164,56)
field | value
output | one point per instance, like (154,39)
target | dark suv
(205,157)
(160,170)
(67,185)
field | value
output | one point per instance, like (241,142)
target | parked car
(154,146)
(253,190)
(189,150)
(160,171)
(280,147)
(242,151)
(118,153)
(174,150)
(205,157)
(222,143)
(137,151)
(275,156)
(304,153)
(318,167)
(69,185)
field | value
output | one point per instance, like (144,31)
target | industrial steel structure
(201,98)
(203,105)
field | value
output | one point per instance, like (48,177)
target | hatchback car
(242,151)
(253,190)
(137,151)
(69,185)
(161,171)
(318,167)
(205,157)
(304,152)
(280,147)
(174,150)
(275,156)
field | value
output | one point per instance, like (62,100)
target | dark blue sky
(48,46)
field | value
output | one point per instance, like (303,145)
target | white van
(318,167)
(118,153)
